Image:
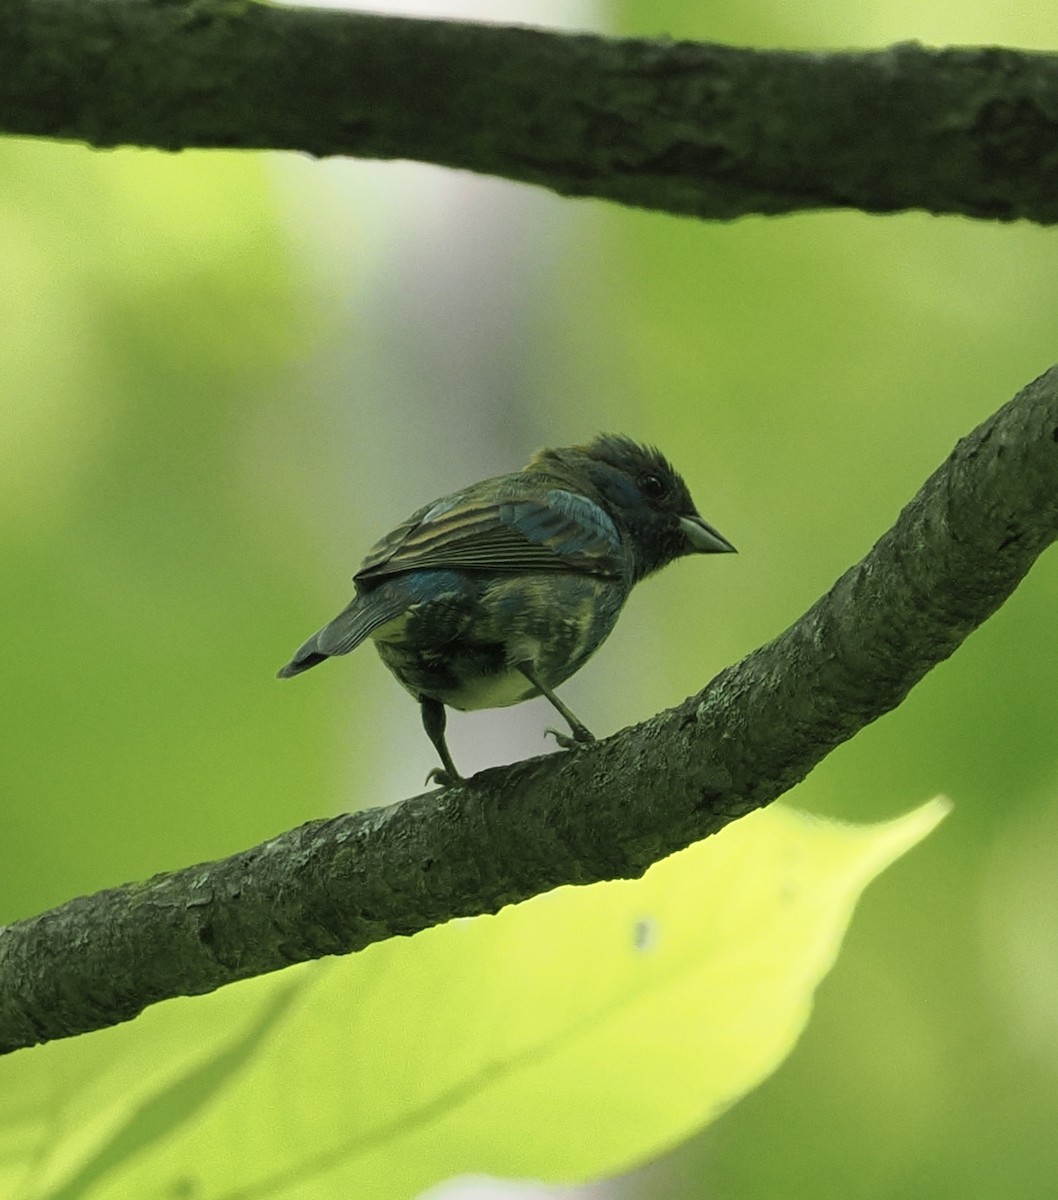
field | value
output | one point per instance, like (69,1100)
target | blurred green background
(224,376)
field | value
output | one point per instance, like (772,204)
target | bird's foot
(443,778)
(578,736)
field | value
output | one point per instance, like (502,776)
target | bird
(499,592)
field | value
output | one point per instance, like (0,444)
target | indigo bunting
(499,592)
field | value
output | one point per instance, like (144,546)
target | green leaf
(567,1038)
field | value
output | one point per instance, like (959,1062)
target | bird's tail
(306,657)
(357,621)
(336,637)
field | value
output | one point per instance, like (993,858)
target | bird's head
(643,493)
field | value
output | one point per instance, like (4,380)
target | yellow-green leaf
(566,1038)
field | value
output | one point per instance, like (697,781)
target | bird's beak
(702,538)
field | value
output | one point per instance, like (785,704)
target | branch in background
(606,811)
(707,130)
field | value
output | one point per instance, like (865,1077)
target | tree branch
(606,811)
(712,131)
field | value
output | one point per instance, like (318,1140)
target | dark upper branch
(707,130)
(609,810)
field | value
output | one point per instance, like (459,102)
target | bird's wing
(554,531)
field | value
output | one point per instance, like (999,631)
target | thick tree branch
(606,811)
(708,130)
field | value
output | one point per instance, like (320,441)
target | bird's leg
(581,733)
(433,721)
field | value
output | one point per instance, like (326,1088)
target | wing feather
(554,531)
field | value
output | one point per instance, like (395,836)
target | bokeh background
(224,375)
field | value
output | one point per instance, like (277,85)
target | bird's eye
(652,486)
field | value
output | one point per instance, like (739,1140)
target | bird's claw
(578,736)
(442,777)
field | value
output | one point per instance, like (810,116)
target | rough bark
(707,130)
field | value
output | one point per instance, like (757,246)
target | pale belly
(465,654)
(492,691)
